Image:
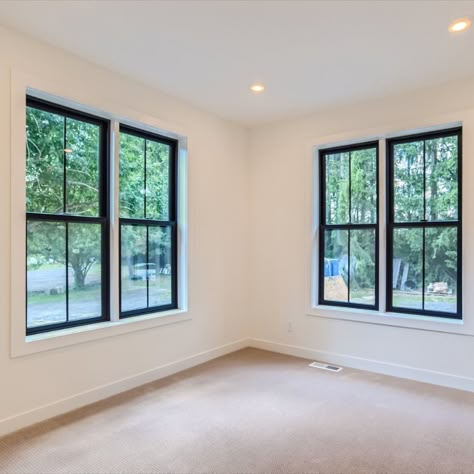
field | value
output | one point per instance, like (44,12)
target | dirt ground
(335,288)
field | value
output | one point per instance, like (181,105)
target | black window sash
(323,227)
(103,219)
(147,223)
(423,224)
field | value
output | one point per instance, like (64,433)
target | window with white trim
(68,219)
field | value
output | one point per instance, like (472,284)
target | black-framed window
(424,224)
(348,238)
(67,218)
(148,225)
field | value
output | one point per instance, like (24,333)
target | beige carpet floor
(256,411)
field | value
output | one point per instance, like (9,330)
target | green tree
(426,177)
(144,183)
(351,190)
(62,176)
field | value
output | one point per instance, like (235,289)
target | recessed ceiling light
(459,25)
(257,88)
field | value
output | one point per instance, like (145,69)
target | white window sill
(412,321)
(80,334)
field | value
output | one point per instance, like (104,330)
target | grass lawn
(446,303)
(93,292)
(89,292)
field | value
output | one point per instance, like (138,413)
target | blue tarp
(331,267)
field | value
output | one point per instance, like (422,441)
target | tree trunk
(79,278)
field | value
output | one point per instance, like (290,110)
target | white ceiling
(310,55)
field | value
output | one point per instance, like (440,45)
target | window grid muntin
(424,224)
(323,226)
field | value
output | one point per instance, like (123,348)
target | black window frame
(323,226)
(103,219)
(172,223)
(423,224)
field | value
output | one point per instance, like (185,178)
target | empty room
(236,236)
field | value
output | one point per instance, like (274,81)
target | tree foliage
(62,177)
(351,198)
(425,189)
(144,193)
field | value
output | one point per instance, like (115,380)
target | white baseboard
(381,367)
(21,420)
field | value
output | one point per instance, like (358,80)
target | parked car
(144,271)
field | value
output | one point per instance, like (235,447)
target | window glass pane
(135,270)
(364,186)
(161,260)
(82,167)
(44,161)
(157,180)
(85,271)
(132,176)
(408,176)
(407,268)
(442,179)
(441,269)
(362,266)
(337,188)
(46,273)
(335,265)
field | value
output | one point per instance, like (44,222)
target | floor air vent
(331,368)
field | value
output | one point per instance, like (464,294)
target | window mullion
(382,226)
(64,166)
(349,265)
(350,189)
(114,234)
(349,234)
(423,269)
(424,183)
(144,179)
(67,269)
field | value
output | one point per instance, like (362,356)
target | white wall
(250,243)
(281,197)
(218,251)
